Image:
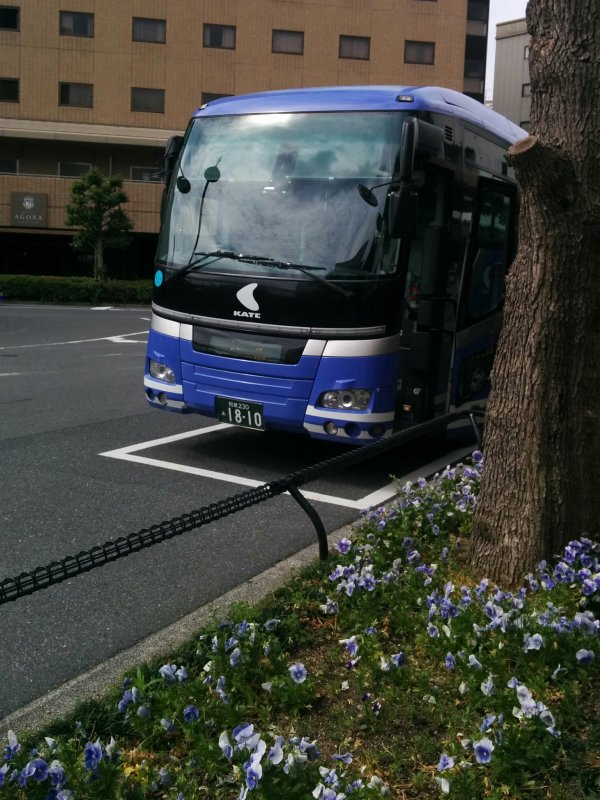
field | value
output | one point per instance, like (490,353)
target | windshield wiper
(216,254)
(306,269)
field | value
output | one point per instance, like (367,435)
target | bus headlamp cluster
(347,399)
(161,371)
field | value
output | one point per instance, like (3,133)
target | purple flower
(344,545)
(271,624)
(532,642)
(483,750)
(585,656)
(351,645)
(445,762)
(92,755)
(13,746)
(235,657)
(191,714)
(345,757)
(398,659)
(171,673)
(298,673)
(450,661)
(37,769)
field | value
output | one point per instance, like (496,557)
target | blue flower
(191,714)
(226,746)
(57,774)
(271,624)
(167,724)
(298,673)
(585,656)
(351,645)
(345,757)
(344,545)
(13,746)
(92,755)
(235,657)
(450,661)
(473,662)
(275,754)
(171,673)
(483,750)
(398,659)
(487,687)
(37,769)
(445,762)
(532,642)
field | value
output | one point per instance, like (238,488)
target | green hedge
(48,289)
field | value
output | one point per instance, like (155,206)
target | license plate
(239,412)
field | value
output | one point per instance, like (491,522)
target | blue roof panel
(366,98)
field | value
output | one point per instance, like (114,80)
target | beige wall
(41,58)
(113,63)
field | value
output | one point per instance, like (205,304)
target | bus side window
(491,253)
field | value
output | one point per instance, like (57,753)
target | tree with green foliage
(541,484)
(95,208)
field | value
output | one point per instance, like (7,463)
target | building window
(75,23)
(288,42)
(152,100)
(526,90)
(478,10)
(222,36)
(355,47)
(149,30)
(147,174)
(72,169)
(9,90)
(80,95)
(419,52)
(526,53)
(9,18)
(208,97)
(9,166)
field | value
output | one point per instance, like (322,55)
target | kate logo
(246,298)
(28,203)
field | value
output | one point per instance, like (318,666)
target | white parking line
(368,501)
(118,339)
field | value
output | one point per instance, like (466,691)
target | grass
(389,671)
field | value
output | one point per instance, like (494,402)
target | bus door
(490,251)
(428,319)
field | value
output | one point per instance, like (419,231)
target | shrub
(50,289)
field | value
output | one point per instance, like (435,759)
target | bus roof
(367,98)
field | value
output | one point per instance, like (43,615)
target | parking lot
(84,460)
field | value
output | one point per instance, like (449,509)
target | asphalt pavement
(83,460)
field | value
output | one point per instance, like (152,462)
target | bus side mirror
(170,157)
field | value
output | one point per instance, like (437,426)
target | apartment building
(105,83)
(512,87)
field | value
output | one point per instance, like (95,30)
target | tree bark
(99,259)
(541,480)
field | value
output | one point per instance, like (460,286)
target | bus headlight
(348,399)
(161,371)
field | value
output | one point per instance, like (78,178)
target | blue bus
(331,260)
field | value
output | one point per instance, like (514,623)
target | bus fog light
(161,371)
(348,399)
(331,428)
(162,399)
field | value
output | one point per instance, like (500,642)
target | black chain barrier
(57,571)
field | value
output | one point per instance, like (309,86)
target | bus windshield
(283,187)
